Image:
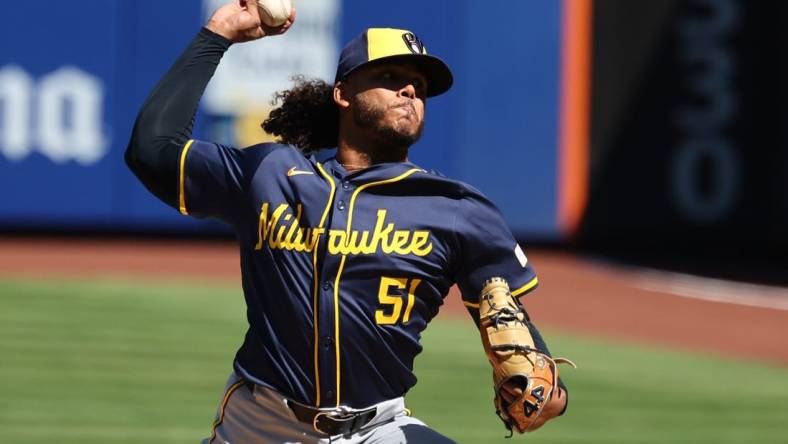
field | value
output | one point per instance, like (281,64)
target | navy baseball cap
(376,45)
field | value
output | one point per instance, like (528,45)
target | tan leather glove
(525,378)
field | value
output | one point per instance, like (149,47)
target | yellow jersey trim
(222,408)
(515,293)
(336,324)
(369,185)
(315,273)
(344,257)
(526,287)
(330,197)
(182,178)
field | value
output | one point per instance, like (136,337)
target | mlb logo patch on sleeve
(520,255)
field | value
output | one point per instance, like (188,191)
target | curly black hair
(307,117)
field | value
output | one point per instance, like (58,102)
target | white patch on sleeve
(520,255)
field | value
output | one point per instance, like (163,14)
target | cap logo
(414,44)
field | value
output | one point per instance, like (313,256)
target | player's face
(389,100)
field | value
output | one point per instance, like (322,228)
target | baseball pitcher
(344,262)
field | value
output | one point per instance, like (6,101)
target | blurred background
(637,147)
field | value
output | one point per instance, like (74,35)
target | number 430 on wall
(391,304)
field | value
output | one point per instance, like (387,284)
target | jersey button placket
(327,340)
(325,345)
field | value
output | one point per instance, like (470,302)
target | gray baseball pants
(258,415)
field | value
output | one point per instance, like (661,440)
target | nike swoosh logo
(294,172)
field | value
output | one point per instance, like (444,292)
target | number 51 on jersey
(391,300)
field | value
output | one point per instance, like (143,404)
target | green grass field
(123,362)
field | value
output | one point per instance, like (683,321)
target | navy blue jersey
(342,271)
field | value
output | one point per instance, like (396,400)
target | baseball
(274,13)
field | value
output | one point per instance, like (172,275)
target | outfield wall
(689,146)
(72,76)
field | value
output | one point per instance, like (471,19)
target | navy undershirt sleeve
(165,122)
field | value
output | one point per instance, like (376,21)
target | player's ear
(341,95)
